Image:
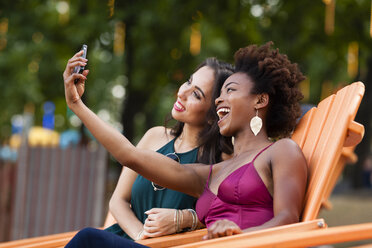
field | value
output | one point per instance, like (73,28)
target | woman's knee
(84,237)
(87,232)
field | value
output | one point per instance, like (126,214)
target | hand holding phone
(80,69)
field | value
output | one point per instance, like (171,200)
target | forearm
(190,220)
(171,174)
(108,136)
(126,218)
(280,219)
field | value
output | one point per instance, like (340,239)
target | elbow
(112,205)
(287,218)
(115,204)
(292,218)
(126,155)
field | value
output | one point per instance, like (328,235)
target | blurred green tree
(140,51)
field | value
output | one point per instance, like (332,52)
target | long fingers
(71,78)
(76,60)
(151,235)
(222,228)
(150,227)
(71,65)
(152,211)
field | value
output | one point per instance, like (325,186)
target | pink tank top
(242,198)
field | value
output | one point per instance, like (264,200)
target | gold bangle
(175,220)
(194,219)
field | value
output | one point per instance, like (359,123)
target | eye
(196,95)
(229,90)
(188,82)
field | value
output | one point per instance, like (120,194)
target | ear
(262,100)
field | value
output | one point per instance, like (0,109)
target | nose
(182,92)
(218,100)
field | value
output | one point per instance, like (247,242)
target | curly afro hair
(273,73)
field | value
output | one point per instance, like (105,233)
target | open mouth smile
(222,113)
(178,106)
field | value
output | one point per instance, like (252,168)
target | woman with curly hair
(262,185)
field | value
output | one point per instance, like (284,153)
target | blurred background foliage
(140,52)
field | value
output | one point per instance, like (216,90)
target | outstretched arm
(170,174)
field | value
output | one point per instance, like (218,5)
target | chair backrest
(322,133)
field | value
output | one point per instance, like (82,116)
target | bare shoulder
(155,138)
(286,145)
(286,149)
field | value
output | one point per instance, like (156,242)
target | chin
(176,116)
(225,133)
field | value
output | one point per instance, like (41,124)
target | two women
(144,209)
(262,185)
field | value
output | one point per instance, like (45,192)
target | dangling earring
(256,124)
(232,140)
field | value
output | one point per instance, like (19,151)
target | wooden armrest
(348,154)
(196,236)
(363,246)
(61,242)
(279,230)
(324,236)
(175,239)
(355,134)
(52,240)
(326,204)
(37,240)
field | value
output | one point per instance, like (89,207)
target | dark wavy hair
(273,73)
(211,143)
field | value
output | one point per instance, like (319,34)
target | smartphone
(80,69)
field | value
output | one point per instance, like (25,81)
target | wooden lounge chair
(302,239)
(322,133)
(347,157)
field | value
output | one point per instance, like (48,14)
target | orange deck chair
(310,238)
(322,133)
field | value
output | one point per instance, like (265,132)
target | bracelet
(178,221)
(194,219)
(175,219)
(181,221)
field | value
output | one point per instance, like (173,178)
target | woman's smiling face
(236,105)
(194,97)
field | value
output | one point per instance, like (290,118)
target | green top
(144,197)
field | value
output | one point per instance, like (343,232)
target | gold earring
(256,124)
